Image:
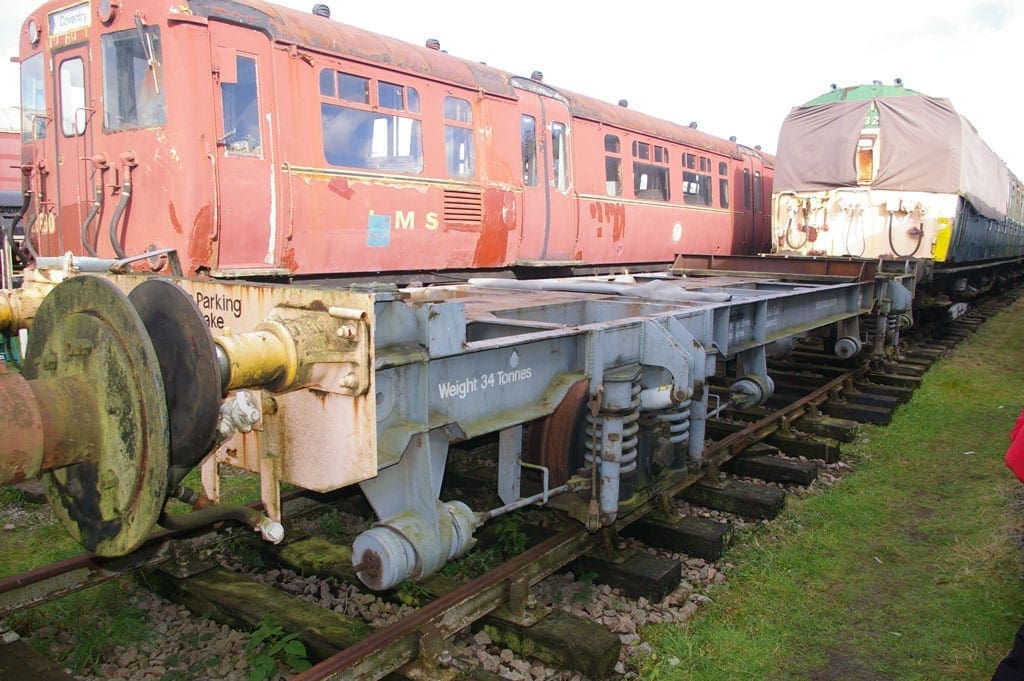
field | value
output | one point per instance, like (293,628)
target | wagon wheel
(557,442)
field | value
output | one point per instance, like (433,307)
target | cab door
(61,216)
(246,213)
(550,225)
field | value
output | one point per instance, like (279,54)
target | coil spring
(678,419)
(630,433)
(892,324)
(869,327)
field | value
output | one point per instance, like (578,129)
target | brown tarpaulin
(925,146)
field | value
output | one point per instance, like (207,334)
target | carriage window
(133,92)
(705,164)
(723,184)
(366,139)
(528,130)
(758,198)
(241,109)
(328,85)
(559,156)
(690,161)
(660,154)
(33,100)
(72,97)
(390,96)
(353,88)
(458,137)
(363,138)
(696,189)
(650,181)
(612,166)
(746,189)
(642,150)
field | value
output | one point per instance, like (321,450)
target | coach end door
(550,224)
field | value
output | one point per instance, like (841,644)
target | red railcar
(261,141)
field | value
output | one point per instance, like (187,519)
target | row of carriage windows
(367,123)
(378,125)
(651,176)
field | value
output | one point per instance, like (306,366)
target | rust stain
(173,215)
(492,246)
(340,186)
(201,249)
(288,259)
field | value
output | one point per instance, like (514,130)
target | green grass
(909,569)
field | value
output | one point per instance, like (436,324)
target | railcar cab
(142,132)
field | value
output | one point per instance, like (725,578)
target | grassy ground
(910,569)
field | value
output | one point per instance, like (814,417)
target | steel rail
(69,575)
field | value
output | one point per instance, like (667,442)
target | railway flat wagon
(210,143)
(882,171)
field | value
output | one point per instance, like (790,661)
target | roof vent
(732,138)
(624,103)
(693,124)
(834,86)
(899,82)
(433,44)
(537,76)
(322,10)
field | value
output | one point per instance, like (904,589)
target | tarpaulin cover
(924,144)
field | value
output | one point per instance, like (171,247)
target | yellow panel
(942,238)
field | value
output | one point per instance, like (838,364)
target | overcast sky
(736,67)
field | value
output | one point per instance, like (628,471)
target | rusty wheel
(86,329)
(550,442)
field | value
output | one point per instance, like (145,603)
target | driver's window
(72,97)
(241,110)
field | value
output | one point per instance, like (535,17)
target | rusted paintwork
(850,269)
(23,441)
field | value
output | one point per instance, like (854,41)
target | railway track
(818,399)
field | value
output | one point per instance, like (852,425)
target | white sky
(734,66)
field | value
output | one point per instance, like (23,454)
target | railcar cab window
(612,165)
(357,136)
(528,137)
(72,97)
(33,99)
(650,181)
(241,110)
(458,137)
(133,92)
(697,185)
